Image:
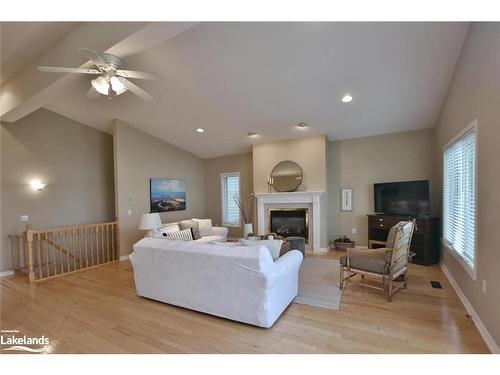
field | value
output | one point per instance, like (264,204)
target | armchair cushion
(371,260)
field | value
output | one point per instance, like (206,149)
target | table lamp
(151,223)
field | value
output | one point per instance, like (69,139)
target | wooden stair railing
(48,253)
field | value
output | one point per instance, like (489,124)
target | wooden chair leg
(389,294)
(405,285)
(341,277)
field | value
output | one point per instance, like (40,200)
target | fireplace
(289,222)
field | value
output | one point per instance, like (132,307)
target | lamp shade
(150,221)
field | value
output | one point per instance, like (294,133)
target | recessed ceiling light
(302,125)
(252,134)
(347,98)
(200,130)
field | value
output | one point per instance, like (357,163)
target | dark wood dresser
(425,241)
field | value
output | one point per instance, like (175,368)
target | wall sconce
(37,185)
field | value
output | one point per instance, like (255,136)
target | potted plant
(251,237)
(246,213)
(343,243)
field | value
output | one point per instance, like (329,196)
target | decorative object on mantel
(346,197)
(251,236)
(269,184)
(151,223)
(246,213)
(286,176)
(343,243)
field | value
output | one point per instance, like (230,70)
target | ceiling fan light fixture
(101,85)
(117,85)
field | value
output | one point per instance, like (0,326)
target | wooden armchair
(385,264)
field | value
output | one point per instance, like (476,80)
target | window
(459,195)
(230,186)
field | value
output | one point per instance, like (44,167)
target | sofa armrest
(290,261)
(220,231)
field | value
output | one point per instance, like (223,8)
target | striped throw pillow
(185,235)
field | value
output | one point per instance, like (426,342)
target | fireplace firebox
(289,222)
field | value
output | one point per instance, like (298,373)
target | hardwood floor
(97,311)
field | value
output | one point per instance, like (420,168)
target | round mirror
(287,176)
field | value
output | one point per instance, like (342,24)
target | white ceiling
(21,42)
(232,78)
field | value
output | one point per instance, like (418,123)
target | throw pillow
(185,235)
(169,228)
(185,224)
(204,227)
(274,246)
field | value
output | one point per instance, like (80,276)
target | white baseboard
(6,273)
(488,339)
(124,257)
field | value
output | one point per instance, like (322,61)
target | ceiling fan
(108,68)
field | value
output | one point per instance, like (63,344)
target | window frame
(223,201)
(470,269)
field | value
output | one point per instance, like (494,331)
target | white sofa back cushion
(274,246)
(204,227)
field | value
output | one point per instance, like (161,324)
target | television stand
(425,241)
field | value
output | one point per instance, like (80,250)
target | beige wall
(213,168)
(74,160)
(309,153)
(139,157)
(359,163)
(474,93)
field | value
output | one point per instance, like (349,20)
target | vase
(247,228)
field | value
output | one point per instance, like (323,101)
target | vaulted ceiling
(232,78)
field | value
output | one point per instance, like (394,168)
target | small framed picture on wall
(346,199)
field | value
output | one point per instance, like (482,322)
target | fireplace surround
(309,200)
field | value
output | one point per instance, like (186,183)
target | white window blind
(459,207)
(230,191)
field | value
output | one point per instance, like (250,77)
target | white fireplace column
(299,197)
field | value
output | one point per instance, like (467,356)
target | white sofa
(218,233)
(241,283)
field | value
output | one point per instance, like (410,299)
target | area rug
(319,283)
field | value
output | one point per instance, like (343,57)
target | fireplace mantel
(298,197)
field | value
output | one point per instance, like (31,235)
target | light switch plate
(25,218)
(129,212)
(354,230)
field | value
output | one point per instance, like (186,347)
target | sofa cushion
(274,246)
(185,224)
(368,260)
(173,227)
(204,227)
(185,235)
(208,239)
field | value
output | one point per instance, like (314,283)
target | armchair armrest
(220,231)
(375,242)
(367,251)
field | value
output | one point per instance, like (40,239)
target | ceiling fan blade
(56,69)
(93,94)
(136,74)
(136,90)
(93,56)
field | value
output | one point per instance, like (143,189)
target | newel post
(29,243)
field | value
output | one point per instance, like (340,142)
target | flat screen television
(402,198)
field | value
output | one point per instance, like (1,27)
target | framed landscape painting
(167,194)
